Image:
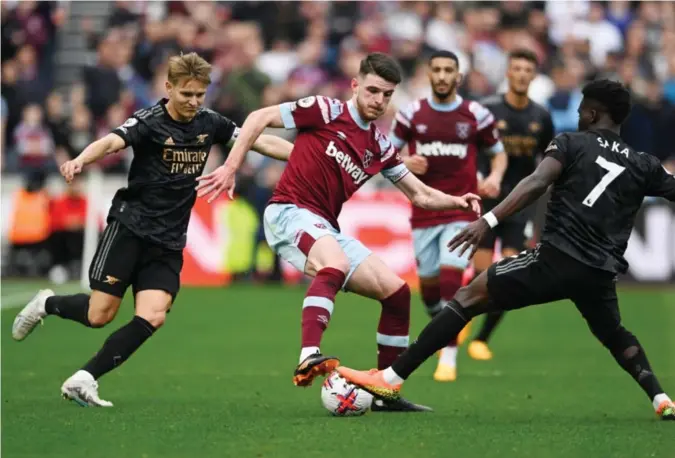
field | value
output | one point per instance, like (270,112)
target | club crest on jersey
(367,159)
(422,128)
(535,126)
(307,102)
(463,130)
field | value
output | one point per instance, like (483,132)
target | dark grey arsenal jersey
(168,157)
(595,200)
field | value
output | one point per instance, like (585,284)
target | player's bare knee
(392,285)
(153,305)
(102,309)
(155,318)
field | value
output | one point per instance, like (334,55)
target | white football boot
(31,315)
(83,389)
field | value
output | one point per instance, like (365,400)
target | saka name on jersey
(168,157)
(525,134)
(450,137)
(334,154)
(596,198)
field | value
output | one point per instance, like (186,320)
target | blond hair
(190,66)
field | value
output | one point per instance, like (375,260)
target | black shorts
(122,259)
(546,274)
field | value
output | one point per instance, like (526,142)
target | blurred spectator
(113,163)
(565,101)
(58,126)
(80,131)
(650,125)
(245,84)
(102,81)
(29,228)
(603,36)
(279,61)
(620,14)
(308,75)
(3,125)
(33,140)
(67,216)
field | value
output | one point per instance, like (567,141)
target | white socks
(391,377)
(306,351)
(658,399)
(449,356)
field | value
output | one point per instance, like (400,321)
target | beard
(442,96)
(365,113)
(519,92)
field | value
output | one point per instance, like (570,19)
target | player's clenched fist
(71,168)
(417,164)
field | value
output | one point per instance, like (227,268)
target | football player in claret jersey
(338,148)
(444,134)
(142,245)
(526,129)
(599,184)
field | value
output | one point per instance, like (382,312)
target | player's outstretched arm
(254,125)
(529,189)
(526,192)
(222,179)
(429,198)
(274,147)
(92,153)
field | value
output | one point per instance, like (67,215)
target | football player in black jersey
(599,184)
(525,128)
(142,245)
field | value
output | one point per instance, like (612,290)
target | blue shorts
(431,249)
(288,227)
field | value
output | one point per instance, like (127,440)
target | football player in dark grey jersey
(142,245)
(599,183)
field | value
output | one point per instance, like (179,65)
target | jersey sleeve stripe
(336,108)
(390,152)
(400,118)
(324,109)
(496,148)
(287,115)
(489,119)
(397,142)
(396,173)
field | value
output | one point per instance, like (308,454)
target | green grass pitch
(216,382)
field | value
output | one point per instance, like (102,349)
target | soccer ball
(342,399)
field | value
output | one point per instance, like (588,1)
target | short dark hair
(522,53)
(612,95)
(382,65)
(446,55)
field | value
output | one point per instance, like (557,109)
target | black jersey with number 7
(595,200)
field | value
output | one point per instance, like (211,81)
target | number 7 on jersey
(613,171)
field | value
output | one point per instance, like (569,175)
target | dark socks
(435,336)
(75,307)
(634,361)
(119,346)
(492,319)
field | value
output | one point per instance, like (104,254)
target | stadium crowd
(269,52)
